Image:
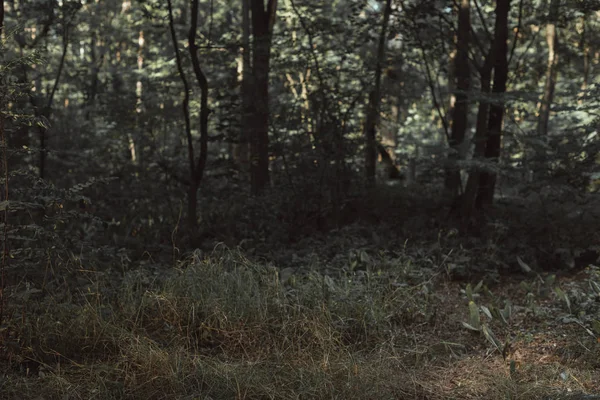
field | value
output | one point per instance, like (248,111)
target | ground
(357,313)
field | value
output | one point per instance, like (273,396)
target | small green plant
(492,312)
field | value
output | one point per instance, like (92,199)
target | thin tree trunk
(47,110)
(203,83)
(4,196)
(1,17)
(551,70)
(263,21)
(92,90)
(374,101)
(480,138)
(196,167)
(185,105)
(487,182)
(461,106)
(585,49)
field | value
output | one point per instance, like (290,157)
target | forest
(298,199)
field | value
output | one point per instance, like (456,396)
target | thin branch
(431,85)
(523,55)
(482,19)
(210,25)
(518,30)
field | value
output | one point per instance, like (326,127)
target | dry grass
(223,327)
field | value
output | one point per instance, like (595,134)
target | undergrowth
(219,325)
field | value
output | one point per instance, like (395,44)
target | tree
(487,181)
(246,87)
(196,166)
(374,100)
(460,110)
(263,20)
(551,69)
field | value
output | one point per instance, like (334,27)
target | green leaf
(474,317)
(469,292)
(486,311)
(488,292)
(470,327)
(596,327)
(489,335)
(563,296)
(523,265)
(364,257)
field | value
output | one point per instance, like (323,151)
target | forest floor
(332,317)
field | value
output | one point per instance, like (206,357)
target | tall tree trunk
(1,17)
(480,138)
(374,101)
(242,147)
(487,182)
(67,19)
(460,110)
(585,49)
(196,167)
(4,192)
(185,105)
(551,69)
(262,29)
(92,89)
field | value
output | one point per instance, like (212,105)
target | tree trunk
(487,182)
(551,70)
(262,29)
(45,113)
(584,45)
(242,147)
(460,110)
(391,170)
(480,138)
(196,168)
(374,100)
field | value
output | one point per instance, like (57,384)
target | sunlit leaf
(474,317)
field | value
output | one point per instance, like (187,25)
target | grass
(220,326)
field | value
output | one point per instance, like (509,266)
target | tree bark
(584,45)
(480,138)
(487,182)
(242,147)
(196,167)
(1,16)
(551,69)
(262,29)
(460,110)
(374,101)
